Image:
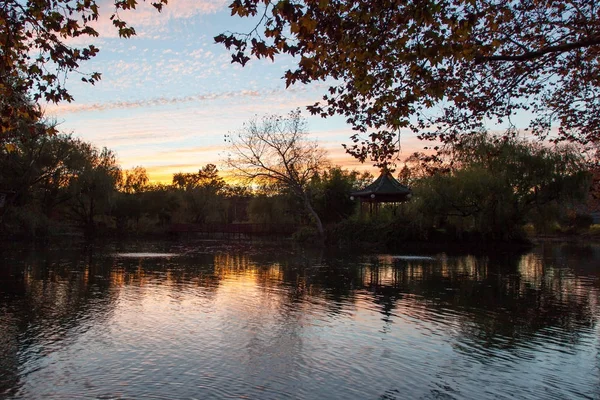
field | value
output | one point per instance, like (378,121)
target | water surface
(183,321)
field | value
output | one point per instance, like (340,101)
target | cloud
(196,156)
(153,102)
(193,150)
(272,100)
(148,22)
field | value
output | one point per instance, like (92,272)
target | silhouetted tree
(201,193)
(331,192)
(496,185)
(277,149)
(93,185)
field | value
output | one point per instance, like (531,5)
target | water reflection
(274,323)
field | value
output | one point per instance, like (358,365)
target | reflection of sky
(272,326)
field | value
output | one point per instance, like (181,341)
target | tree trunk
(89,230)
(315,216)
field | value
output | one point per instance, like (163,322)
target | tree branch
(536,54)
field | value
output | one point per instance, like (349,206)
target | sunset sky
(169,95)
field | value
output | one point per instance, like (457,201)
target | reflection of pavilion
(509,301)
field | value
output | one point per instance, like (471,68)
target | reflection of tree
(504,301)
(45,301)
(176,273)
(9,350)
(498,300)
(583,259)
(48,301)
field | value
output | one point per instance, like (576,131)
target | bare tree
(276,149)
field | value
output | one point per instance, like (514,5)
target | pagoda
(385,189)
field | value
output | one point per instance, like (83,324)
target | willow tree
(495,185)
(277,150)
(93,185)
(439,67)
(201,193)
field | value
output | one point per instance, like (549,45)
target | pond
(206,320)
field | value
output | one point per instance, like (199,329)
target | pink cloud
(69,108)
(276,100)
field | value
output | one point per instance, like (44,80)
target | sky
(169,95)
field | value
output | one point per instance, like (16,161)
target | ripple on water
(146,255)
(202,327)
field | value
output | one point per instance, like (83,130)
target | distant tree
(495,185)
(231,191)
(160,201)
(201,193)
(439,68)
(237,198)
(93,185)
(53,175)
(207,176)
(129,203)
(331,192)
(420,164)
(37,168)
(406,175)
(276,149)
(135,180)
(58,157)
(274,209)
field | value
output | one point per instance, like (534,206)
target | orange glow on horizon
(163,174)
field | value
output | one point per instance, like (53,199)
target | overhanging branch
(593,41)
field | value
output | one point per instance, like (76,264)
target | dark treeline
(60,185)
(483,188)
(486,188)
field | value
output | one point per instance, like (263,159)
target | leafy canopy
(495,185)
(206,177)
(36,52)
(391,64)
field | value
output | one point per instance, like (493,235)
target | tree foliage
(207,176)
(37,167)
(134,180)
(331,192)
(201,192)
(275,209)
(391,64)
(93,185)
(36,51)
(50,175)
(494,186)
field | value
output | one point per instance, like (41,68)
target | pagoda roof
(386,187)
